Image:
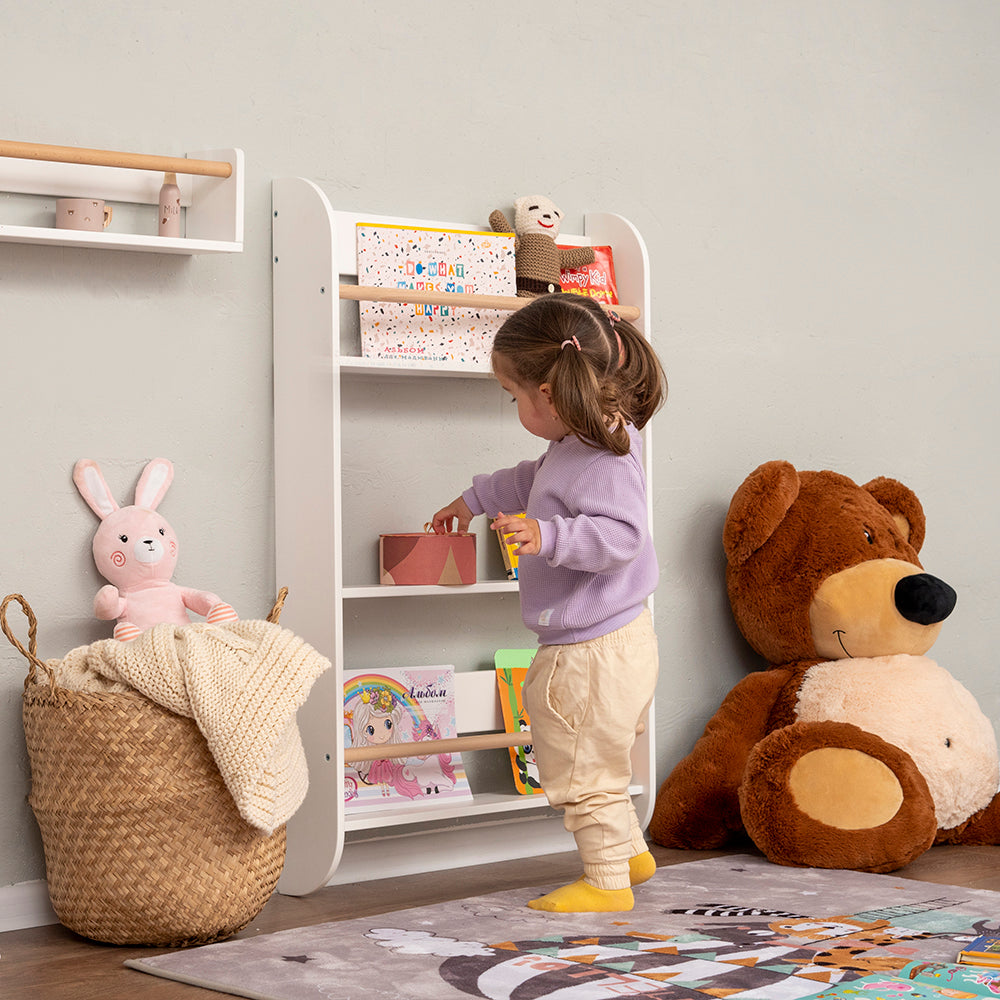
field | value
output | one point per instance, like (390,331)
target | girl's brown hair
(599,381)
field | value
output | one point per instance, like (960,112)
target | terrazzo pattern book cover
(432,260)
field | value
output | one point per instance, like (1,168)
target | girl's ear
(546,392)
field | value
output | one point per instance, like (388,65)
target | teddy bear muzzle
(924,599)
(877,608)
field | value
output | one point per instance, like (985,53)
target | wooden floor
(54,964)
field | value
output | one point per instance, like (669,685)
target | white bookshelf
(314,252)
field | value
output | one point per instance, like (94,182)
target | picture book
(432,260)
(401,705)
(596,280)
(509,552)
(511,667)
(984,950)
(920,980)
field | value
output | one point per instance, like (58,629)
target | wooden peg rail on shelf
(211,184)
(111,158)
(368,293)
(481,741)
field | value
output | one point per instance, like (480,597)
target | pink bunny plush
(136,550)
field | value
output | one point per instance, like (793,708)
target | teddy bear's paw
(693,812)
(982,828)
(830,795)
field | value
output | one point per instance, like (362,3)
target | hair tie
(613,317)
(573,341)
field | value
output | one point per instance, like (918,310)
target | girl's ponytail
(602,371)
(641,379)
(586,403)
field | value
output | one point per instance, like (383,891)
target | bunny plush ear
(154,483)
(93,488)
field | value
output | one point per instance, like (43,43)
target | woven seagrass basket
(143,842)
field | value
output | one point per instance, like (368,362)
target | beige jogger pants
(585,700)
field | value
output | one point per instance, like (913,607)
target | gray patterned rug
(735,927)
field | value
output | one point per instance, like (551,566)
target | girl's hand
(457,510)
(522,530)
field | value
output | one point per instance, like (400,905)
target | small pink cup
(87,214)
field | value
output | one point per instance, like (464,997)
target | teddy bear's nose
(924,599)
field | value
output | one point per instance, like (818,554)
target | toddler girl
(586,382)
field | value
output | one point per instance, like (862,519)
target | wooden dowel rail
(111,158)
(369,293)
(482,741)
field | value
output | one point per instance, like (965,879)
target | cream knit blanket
(241,682)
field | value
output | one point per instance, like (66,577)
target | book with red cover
(596,280)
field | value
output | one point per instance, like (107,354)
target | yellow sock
(582,897)
(641,868)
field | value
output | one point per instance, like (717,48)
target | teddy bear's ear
(903,505)
(757,508)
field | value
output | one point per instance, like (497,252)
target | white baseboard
(25,904)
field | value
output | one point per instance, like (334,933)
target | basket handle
(279,603)
(30,654)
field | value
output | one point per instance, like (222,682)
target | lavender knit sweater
(597,564)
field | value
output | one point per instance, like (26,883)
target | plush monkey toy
(537,259)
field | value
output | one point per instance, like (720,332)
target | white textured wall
(816,184)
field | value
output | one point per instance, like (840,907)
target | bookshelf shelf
(377,591)
(320,383)
(350,365)
(487,804)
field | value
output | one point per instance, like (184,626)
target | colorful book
(401,705)
(511,667)
(596,280)
(509,552)
(432,260)
(984,950)
(920,981)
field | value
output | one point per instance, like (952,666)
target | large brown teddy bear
(853,749)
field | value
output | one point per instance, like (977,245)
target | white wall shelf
(213,206)
(314,252)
